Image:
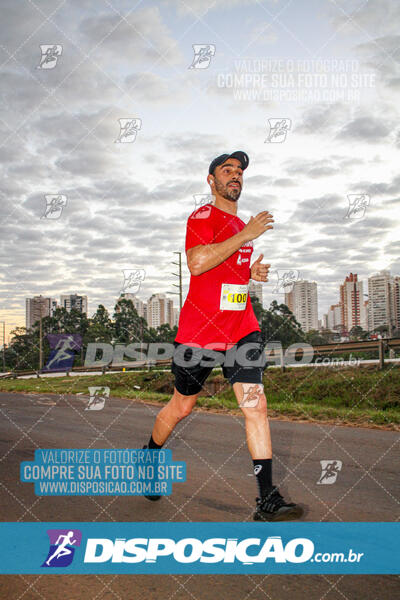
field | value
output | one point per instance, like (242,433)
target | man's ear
(210,180)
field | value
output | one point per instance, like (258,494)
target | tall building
(36,307)
(380,307)
(303,302)
(395,302)
(256,290)
(140,306)
(365,323)
(289,300)
(352,302)
(160,310)
(70,301)
(334,318)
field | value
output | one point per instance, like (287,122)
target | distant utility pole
(41,337)
(40,341)
(4,345)
(179,275)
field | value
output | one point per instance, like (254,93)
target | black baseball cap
(239,155)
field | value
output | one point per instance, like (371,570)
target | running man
(62,549)
(218,316)
(63,347)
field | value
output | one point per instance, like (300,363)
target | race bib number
(233,297)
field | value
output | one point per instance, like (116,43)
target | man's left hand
(259,271)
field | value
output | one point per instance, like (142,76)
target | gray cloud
(143,35)
(379,188)
(369,129)
(322,118)
(153,89)
(128,206)
(198,8)
(311,168)
(284,182)
(378,17)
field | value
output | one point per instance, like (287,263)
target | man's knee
(184,404)
(251,398)
(185,409)
(257,410)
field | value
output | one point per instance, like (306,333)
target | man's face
(228,179)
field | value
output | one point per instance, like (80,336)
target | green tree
(279,324)
(315,338)
(101,328)
(63,321)
(328,336)
(128,326)
(23,351)
(258,308)
(163,334)
(357,333)
(382,329)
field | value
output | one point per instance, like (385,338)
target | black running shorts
(244,363)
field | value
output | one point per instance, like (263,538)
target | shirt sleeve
(199,230)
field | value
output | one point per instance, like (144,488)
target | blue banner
(199,548)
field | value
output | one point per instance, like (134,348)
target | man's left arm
(258,270)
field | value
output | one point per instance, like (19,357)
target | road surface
(219,487)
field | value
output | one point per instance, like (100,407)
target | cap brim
(238,155)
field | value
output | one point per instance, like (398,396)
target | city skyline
(348,312)
(125,205)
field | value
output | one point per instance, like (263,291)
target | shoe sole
(291,514)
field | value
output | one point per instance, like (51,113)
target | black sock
(263,472)
(153,445)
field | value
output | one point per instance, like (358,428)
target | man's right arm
(204,257)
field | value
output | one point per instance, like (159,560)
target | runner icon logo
(203,54)
(330,470)
(97,399)
(62,547)
(62,351)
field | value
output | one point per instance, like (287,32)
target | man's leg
(178,408)
(245,375)
(189,378)
(252,401)
(270,506)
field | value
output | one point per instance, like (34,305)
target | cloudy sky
(326,71)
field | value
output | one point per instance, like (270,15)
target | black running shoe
(274,508)
(152,498)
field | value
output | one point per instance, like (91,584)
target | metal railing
(381,346)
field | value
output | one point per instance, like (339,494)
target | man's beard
(229,193)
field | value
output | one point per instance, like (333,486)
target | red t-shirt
(217,312)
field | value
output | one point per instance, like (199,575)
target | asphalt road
(219,487)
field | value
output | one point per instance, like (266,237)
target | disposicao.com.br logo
(213,550)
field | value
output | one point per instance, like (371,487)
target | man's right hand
(258,225)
